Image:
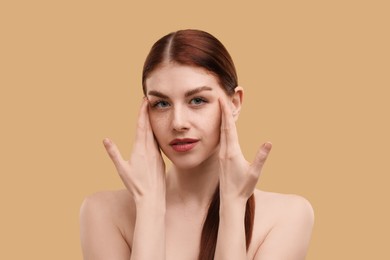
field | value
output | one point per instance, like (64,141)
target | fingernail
(106,141)
(267,146)
(145,99)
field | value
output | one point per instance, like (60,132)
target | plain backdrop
(316,79)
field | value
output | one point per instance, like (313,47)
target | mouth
(183,145)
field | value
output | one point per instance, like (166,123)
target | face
(185,113)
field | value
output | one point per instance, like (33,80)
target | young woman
(206,206)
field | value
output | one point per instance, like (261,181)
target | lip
(184,144)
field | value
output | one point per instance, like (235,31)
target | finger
(113,152)
(142,124)
(150,139)
(229,136)
(260,158)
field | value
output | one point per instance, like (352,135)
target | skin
(188,102)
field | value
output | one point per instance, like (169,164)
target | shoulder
(285,222)
(107,203)
(108,214)
(114,206)
(283,205)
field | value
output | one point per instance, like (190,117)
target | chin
(185,162)
(190,161)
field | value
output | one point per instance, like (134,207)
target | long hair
(201,49)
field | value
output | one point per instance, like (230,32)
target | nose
(180,121)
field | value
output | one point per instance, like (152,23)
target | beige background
(316,75)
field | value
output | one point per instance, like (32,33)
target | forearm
(149,232)
(231,243)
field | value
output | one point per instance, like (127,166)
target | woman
(206,206)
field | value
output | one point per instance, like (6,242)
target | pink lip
(183,145)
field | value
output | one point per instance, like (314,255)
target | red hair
(201,49)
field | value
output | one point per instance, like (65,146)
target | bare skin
(282,227)
(160,216)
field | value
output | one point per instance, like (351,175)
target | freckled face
(184,113)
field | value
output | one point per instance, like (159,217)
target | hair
(200,49)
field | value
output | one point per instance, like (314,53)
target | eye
(198,101)
(160,104)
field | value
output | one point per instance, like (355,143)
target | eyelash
(199,99)
(158,102)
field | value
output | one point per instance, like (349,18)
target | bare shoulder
(283,225)
(111,204)
(281,205)
(109,215)
(115,206)
(114,197)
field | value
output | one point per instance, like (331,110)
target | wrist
(231,230)
(150,205)
(232,210)
(232,201)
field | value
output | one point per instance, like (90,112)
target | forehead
(175,78)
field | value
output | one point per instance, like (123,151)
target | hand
(237,177)
(144,173)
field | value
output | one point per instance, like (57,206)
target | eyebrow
(187,94)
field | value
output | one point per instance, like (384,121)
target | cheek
(211,121)
(158,123)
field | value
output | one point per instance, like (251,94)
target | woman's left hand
(237,177)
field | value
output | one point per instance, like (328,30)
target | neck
(194,186)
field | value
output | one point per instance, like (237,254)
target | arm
(100,238)
(144,177)
(149,231)
(289,238)
(231,243)
(237,180)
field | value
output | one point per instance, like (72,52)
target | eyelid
(204,100)
(198,98)
(155,103)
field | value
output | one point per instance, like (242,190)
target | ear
(237,101)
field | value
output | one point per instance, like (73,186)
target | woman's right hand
(144,173)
